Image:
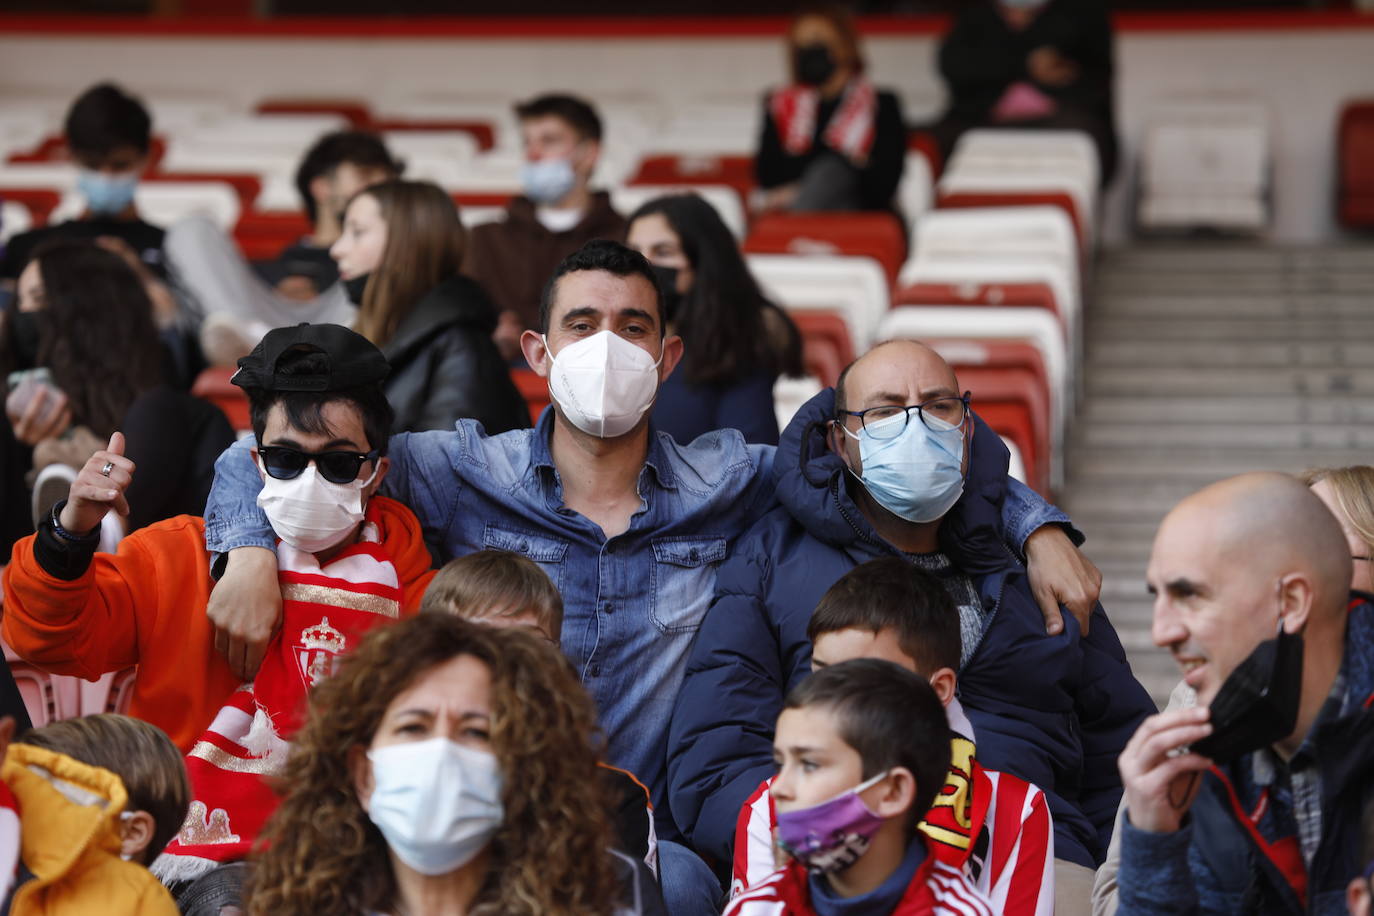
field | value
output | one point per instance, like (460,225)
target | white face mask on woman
(311,513)
(603,383)
(437,802)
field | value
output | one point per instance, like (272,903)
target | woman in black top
(831,141)
(398,256)
(84,315)
(737,342)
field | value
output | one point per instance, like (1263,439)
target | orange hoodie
(145,606)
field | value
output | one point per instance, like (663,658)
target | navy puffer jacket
(1054,710)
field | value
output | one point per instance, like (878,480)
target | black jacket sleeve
(879,177)
(773,166)
(975,62)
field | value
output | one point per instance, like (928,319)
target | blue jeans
(689,886)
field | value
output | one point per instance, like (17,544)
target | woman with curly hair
(446,768)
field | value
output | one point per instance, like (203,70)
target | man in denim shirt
(630,527)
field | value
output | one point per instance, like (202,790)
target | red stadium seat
(1355,152)
(40,202)
(261,235)
(923,141)
(484,132)
(875,235)
(533,389)
(213,385)
(480,198)
(47,697)
(826,346)
(111,693)
(1015,403)
(1061,199)
(355,110)
(1038,295)
(735,171)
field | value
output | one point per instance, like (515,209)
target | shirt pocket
(548,552)
(684,573)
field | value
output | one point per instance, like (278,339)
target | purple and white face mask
(830,836)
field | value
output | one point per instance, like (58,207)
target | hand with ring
(98,488)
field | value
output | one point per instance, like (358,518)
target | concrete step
(1327,408)
(1234,330)
(1204,464)
(1243,256)
(1296,436)
(1207,354)
(1226,380)
(1221,305)
(1190,283)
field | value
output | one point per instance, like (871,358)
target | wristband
(93,537)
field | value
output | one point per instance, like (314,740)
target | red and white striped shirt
(994,827)
(937,890)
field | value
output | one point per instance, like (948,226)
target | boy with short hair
(93,791)
(498,588)
(993,826)
(862,750)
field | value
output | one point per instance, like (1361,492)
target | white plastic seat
(853,287)
(723,198)
(916,193)
(164,202)
(195,156)
(789,394)
(478,216)
(989,178)
(976,271)
(1029,143)
(292,133)
(58,177)
(456,145)
(1016,465)
(14,219)
(278,193)
(1033,325)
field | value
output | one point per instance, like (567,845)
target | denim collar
(541,456)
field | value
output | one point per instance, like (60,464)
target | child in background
(862,749)
(993,826)
(100,796)
(503,589)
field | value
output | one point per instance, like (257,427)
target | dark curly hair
(321,854)
(95,333)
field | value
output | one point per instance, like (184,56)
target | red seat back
(40,202)
(484,132)
(1015,403)
(54,149)
(735,171)
(826,347)
(1355,163)
(1061,199)
(213,385)
(876,235)
(261,235)
(533,389)
(355,110)
(1035,295)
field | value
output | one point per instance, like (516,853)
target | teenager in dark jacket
(1262,814)
(1053,710)
(1042,63)
(398,256)
(831,140)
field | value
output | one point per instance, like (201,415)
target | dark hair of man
(356,147)
(105,118)
(576,113)
(890,716)
(604,255)
(729,326)
(95,332)
(305,409)
(892,593)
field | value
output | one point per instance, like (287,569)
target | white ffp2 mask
(603,383)
(310,513)
(437,802)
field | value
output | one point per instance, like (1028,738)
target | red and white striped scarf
(325,610)
(851,127)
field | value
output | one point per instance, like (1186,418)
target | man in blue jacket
(1252,574)
(894,462)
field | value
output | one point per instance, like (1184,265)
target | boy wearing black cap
(323,422)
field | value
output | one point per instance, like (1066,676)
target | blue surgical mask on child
(106,194)
(918,474)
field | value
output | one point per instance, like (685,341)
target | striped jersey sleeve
(954,895)
(1019,875)
(753,860)
(766,898)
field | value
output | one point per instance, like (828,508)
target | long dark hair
(730,328)
(95,333)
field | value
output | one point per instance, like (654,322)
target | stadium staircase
(1204,360)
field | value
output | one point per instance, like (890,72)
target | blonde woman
(1349,494)
(447,768)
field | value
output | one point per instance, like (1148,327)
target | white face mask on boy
(311,513)
(603,383)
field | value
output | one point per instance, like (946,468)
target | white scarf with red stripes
(325,610)
(851,128)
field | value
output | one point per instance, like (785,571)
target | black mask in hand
(1257,705)
(814,65)
(667,284)
(355,287)
(22,328)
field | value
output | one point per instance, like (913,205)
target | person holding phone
(1250,801)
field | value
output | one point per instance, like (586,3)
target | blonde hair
(139,753)
(496,583)
(1353,489)
(320,853)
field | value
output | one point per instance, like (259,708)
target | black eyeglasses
(938,414)
(285,463)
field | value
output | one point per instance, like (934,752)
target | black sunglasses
(286,463)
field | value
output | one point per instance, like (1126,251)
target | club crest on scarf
(318,653)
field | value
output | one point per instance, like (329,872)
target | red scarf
(324,612)
(851,127)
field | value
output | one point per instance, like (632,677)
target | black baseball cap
(353,360)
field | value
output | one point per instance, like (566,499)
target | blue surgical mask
(917,475)
(547,181)
(106,194)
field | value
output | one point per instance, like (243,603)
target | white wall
(1303,75)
